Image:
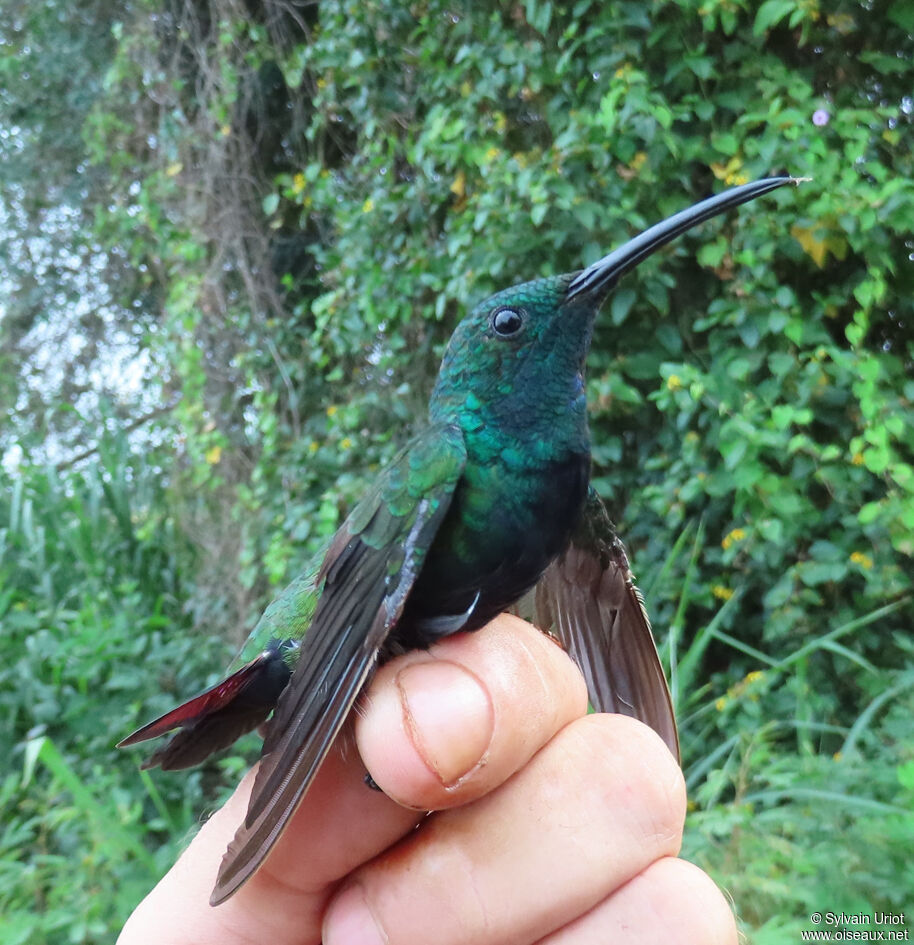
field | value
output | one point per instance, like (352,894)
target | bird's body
(488,502)
(527,464)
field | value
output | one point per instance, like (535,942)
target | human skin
(552,827)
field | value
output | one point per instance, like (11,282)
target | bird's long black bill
(602,275)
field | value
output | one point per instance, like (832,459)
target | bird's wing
(588,598)
(237,704)
(366,576)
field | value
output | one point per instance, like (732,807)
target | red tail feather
(206,703)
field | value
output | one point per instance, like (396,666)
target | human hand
(551,826)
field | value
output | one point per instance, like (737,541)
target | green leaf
(738,368)
(770,13)
(538,14)
(901,14)
(906,775)
(869,513)
(815,573)
(621,304)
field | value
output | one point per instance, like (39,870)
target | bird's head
(531,339)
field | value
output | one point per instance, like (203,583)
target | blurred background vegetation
(234,238)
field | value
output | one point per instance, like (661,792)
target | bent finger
(443,727)
(671,901)
(594,808)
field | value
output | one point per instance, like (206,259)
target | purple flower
(820,117)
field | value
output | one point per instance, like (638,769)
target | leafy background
(235,237)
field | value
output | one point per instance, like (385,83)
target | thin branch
(133,425)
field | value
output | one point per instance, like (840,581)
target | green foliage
(303,205)
(791,833)
(90,599)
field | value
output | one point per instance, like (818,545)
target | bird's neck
(530,423)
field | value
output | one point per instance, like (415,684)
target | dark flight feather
(366,577)
(587,597)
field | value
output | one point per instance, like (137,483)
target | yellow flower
(368,206)
(213,455)
(754,676)
(331,410)
(345,443)
(737,534)
(674,382)
(721,704)
(731,172)
(459,187)
(721,592)
(837,756)
(313,447)
(844,23)
(864,560)
(298,183)
(857,459)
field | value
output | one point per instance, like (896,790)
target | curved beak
(601,276)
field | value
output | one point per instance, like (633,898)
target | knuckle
(625,766)
(550,676)
(689,897)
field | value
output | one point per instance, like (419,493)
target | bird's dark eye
(507,321)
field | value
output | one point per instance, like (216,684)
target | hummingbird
(488,508)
